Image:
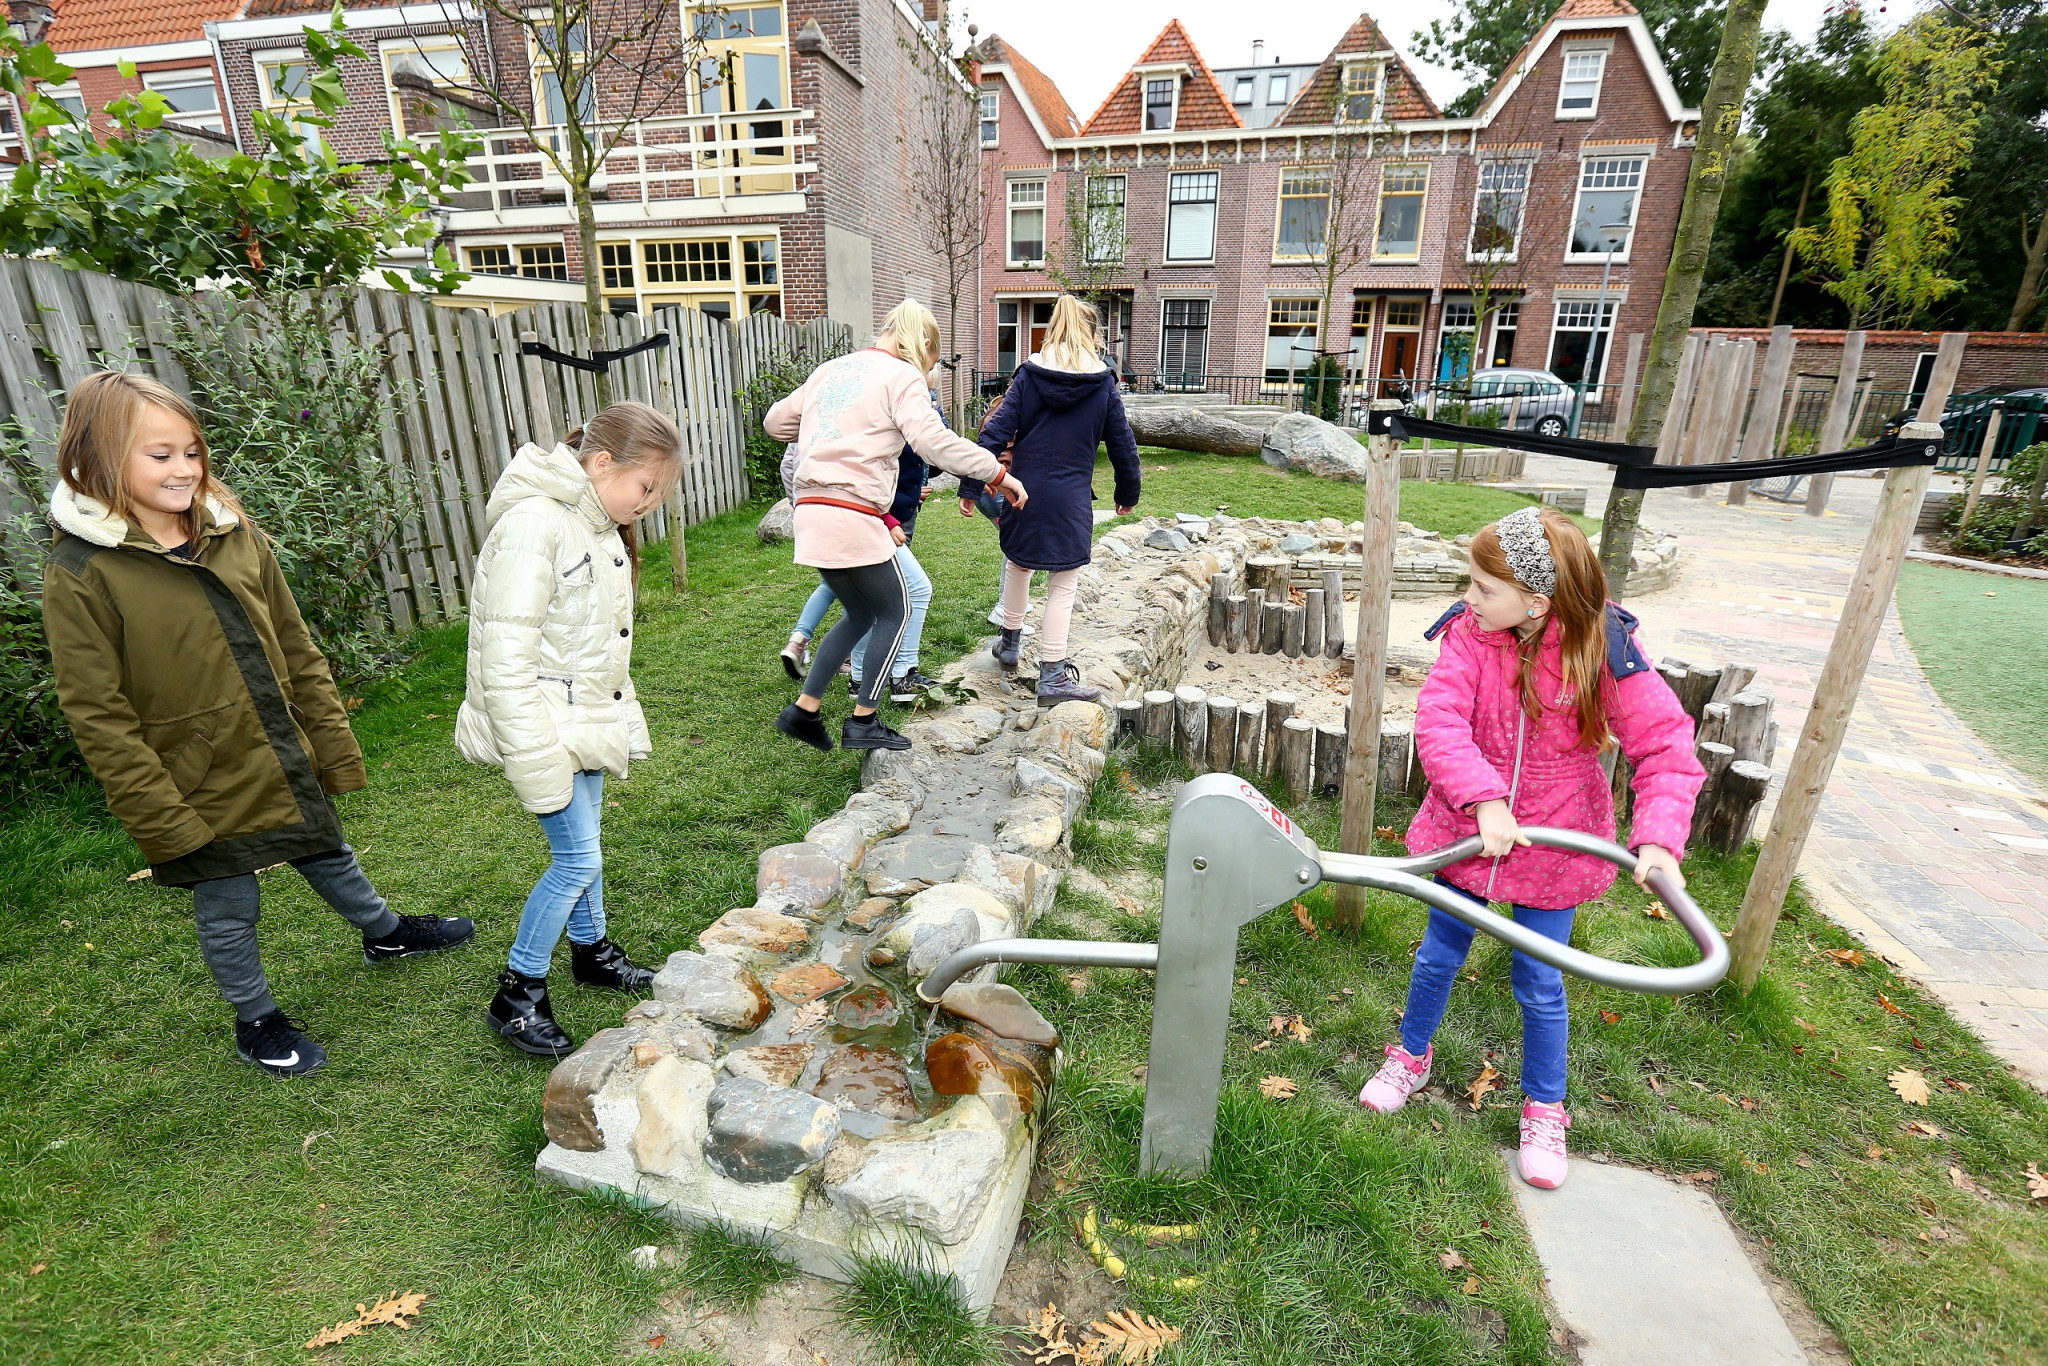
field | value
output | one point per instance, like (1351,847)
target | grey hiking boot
(1059,681)
(1007,646)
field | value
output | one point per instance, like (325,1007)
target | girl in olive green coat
(198,697)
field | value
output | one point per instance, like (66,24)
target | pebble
(867,1078)
(1000,1010)
(1166,538)
(869,1007)
(806,983)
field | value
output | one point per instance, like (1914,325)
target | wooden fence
(474,398)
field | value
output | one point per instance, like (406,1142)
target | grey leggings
(873,596)
(227,907)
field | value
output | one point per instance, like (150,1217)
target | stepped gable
(1053,109)
(1202,102)
(1405,98)
(93,25)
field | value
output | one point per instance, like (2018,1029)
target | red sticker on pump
(1271,812)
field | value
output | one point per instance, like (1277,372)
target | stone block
(669,1140)
(871,913)
(774,1064)
(716,990)
(911,863)
(1031,777)
(1002,1010)
(1023,884)
(752,935)
(992,913)
(800,879)
(760,1133)
(937,1184)
(1034,826)
(806,983)
(870,1079)
(566,1110)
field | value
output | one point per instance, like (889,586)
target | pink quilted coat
(1470,730)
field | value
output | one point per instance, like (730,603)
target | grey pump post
(1231,856)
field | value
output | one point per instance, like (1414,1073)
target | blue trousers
(920,586)
(570,894)
(1539,989)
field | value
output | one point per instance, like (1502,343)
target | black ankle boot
(604,964)
(521,1013)
(870,732)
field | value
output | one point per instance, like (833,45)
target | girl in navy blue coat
(1062,404)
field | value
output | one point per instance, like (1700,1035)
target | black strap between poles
(598,361)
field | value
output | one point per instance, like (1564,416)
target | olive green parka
(195,692)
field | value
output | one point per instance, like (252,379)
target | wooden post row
(1368,677)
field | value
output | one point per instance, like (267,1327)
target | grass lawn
(164,1202)
(1949,615)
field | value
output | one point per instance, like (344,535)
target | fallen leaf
(1656,1083)
(808,1017)
(1133,1339)
(1802,1161)
(432,716)
(1848,958)
(1886,1002)
(1262,1045)
(1125,781)
(1923,1128)
(1387,832)
(1610,1017)
(1293,1026)
(1487,1080)
(138,875)
(2037,1184)
(1138,1072)
(40,1267)
(1451,1260)
(1278,1088)
(1699,1178)
(1873,1152)
(1952,1084)
(1910,1085)
(658,1341)
(1471,1285)
(1804,1025)
(1724,1096)
(1303,919)
(1244,981)
(1436,1125)
(1655,910)
(1758,1167)
(1963,1181)
(392,1309)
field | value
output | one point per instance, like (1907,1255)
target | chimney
(1258,49)
(934,11)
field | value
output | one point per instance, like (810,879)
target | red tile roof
(1595,9)
(1404,97)
(1202,103)
(1045,97)
(91,25)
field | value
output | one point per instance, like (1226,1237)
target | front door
(1398,354)
(1184,344)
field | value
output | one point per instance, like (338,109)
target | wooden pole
(1222,733)
(1834,428)
(1272,622)
(1297,752)
(1254,617)
(1128,714)
(1369,671)
(1331,742)
(1726,418)
(1251,728)
(1312,623)
(1671,437)
(1237,613)
(1155,722)
(1293,630)
(1333,613)
(1625,403)
(1219,607)
(1757,439)
(1984,454)
(1279,706)
(1191,724)
(1834,695)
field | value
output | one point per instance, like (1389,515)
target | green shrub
(35,741)
(2003,511)
(773,382)
(1322,388)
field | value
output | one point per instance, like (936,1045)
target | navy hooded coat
(1056,419)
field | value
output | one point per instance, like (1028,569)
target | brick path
(1928,847)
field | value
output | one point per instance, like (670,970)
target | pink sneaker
(1399,1077)
(1542,1157)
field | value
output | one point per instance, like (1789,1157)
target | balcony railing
(693,156)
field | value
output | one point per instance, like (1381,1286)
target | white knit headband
(1527,548)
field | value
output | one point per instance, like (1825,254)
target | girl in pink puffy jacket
(1538,674)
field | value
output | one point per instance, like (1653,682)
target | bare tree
(1347,223)
(942,136)
(1090,256)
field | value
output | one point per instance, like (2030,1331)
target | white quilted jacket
(550,622)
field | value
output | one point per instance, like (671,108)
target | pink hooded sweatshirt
(1476,744)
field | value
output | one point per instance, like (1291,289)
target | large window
(1402,190)
(439,63)
(1578,342)
(1291,331)
(1162,93)
(1105,206)
(192,95)
(761,274)
(1027,222)
(699,273)
(287,92)
(687,263)
(1578,94)
(991,114)
(1184,343)
(1191,216)
(746,69)
(1361,101)
(1304,213)
(556,58)
(1497,210)
(1608,190)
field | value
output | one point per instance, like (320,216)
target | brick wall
(1992,360)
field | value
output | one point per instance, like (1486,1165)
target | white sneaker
(1399,1077)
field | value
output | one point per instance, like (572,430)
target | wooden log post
(1191,724)
(1251,730)
(1219,607)
(1713,723)
(1254,618)
(1272,622)
(1841,678)
(1293,630)
(1279,706)
(1749,715)
(1397,748)
(1418,781)
(1671,437)
(1268,574)
(1333,613)
(1625,401)
(1734,678)
(1673,672)
(544,430)
(1129,714)
(1237,609)
(1762,432)
(1222,742)
(1331,742)
(1622,787)
(1714,758)
(1834,428)
(1369,672)
(1984,454)
(1297,756)
(1700,682)
(1736,798)
(1155,720)
(1312,623)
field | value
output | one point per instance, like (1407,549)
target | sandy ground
(1322,685)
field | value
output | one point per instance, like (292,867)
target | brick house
(166,40)
(1222,227)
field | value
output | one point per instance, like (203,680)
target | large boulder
(777,524)
(1303,442)
(1191,429)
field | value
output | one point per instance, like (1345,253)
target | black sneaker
(1007,647)
(805,726)
(279,1046)
(522,1014)
(853,687)
(604,964)
(418,934)
(911,684)
(870,732)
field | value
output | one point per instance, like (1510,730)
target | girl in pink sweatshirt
(1538,674)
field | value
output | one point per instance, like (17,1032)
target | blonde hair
(1074,336)
(102,414)
(910,333)
(636,436)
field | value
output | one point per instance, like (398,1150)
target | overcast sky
(1087,45)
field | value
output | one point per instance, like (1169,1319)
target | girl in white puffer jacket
(549,697)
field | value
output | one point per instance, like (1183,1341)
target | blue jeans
(571,892)
(1539,989)
(920,585)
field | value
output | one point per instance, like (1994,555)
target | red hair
(1579,607)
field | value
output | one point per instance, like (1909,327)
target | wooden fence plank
(62,321)
(505,329)
(479,348)
(153,308)
(436,405)
(440,603)
(407,577)
(463,380)
(107,300)
(22,376)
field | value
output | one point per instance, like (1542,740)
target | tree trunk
(1785,266)
(1721,120)
(582,167)
(2030,281)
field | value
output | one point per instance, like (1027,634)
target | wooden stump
(1254,618)
(1237,611)
(1397,746)
(1279,706)
(1698,688)
(1734,678)
(1331,742)
(1713,722)
(1219,607)
(1736,797)
(1418,781)
(1272,620)
(1222,743)
(1293,630)
(1155,721)
(1673,672)
(1333,613)
(1312,623)
(1128,714)
(1267,574)
(1624,789)
(1251,729)
(1749,716)
(1715,759)
(1770,754)
(1297,756)
(1191,724)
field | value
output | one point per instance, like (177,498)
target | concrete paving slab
(1645,1272)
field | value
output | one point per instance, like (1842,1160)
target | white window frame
(1283,79)
(1145,82)
(1341,113)
(1589,159)
(1314,324)
(1598,53)
(991,123)
(1123,222)
(1421,217)
(1248,86)
(1513,253)
(432,42)
(191,75)
(1496,317)
(1596,386)
(68,90)
(1010,207)
(1215,216)
(1280,211)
